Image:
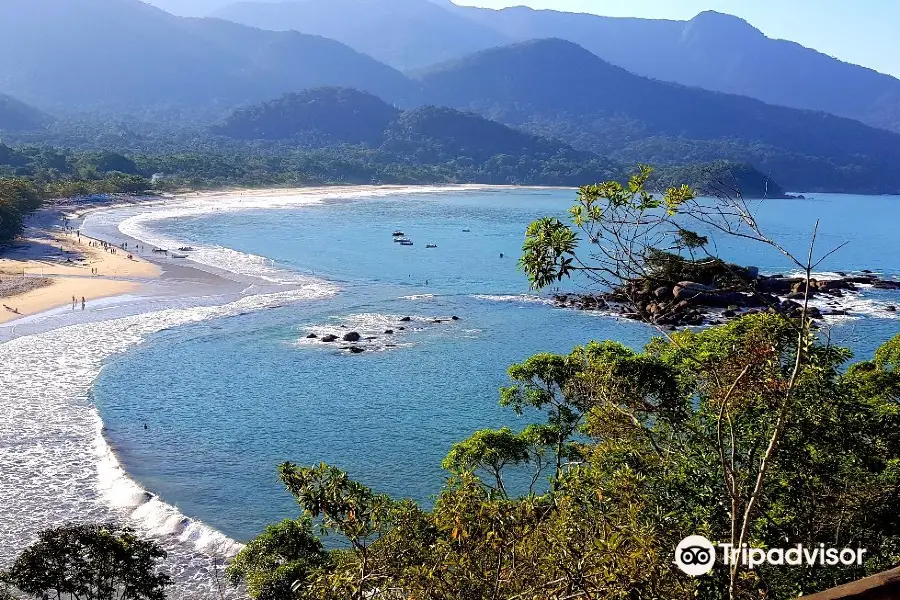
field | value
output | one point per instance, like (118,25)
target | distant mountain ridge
(18,116)
(556,88)
(714,51)
(405,34)
(717,52)
(126,53)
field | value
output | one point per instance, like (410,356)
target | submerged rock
(330,338)
(311,336)
(355,350)
(388,332)
(406,319)
(352,337)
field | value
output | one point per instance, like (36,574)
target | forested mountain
(314,117)
(402,33)
(18,116)
(557,89)
(433,140)
(327,116)
(717,52)
(124,53)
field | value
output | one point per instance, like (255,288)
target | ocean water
(200,405)
(226,401)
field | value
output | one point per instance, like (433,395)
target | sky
(864,32)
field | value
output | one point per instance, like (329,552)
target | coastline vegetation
(757,432)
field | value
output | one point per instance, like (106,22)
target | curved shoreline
(52,428)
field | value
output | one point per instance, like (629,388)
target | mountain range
(124,53)
(714,51)
(111,57)
(405,34)
(17,116)
(558,89)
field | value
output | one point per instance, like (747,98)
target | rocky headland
(679,293)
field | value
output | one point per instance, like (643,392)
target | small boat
(178,255)
(467,230)
(160,251)
(400,240)
(398,234)
(431,245)
(185,249)
(406,243)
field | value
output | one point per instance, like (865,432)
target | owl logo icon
(695,555)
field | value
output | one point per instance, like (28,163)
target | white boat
(400,240)
(398,234)
(431,245)
(406,243)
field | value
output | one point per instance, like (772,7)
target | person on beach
(82,303)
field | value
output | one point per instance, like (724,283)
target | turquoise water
(226,401)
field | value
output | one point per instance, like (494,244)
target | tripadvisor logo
(696,555)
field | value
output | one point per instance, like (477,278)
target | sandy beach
(48,267)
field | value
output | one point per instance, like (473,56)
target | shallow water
(227,401)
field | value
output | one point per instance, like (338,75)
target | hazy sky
(865,32)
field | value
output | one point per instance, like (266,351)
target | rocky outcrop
(698,303)
(352,337)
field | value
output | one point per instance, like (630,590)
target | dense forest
(558,89)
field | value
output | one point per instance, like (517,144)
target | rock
(311,336)
(687,290)
(401,329)
(753,272)
(891,308)
(722,299)
(454,318)
(406,319)
(388,332)
(729,314)
(814,313)
(352,337)
(776,284)
(355,350)
(800,287)
(837,313)
(437,321)
(330,338)
(662,293)
(886,285)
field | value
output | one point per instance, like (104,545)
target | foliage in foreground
(754,432)
(89,562)
(629,445)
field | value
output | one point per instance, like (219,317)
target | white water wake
(55,465)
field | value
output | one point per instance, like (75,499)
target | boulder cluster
(354,337)
(689,303)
